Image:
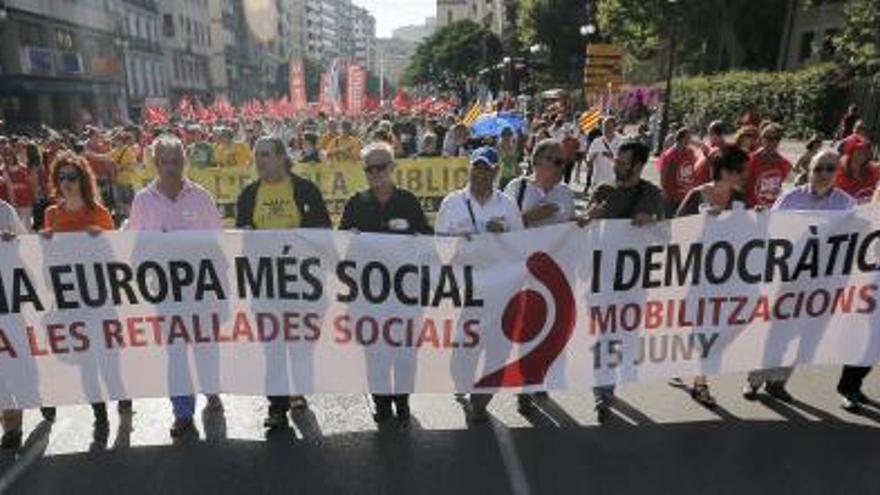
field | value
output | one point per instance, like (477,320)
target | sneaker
(125,407)
(850,403)
(750,392)
(214,403)
(49,413)
(182,427)
(276,420)
(11,440)
(778,392)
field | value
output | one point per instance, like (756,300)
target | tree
(713,35)
(859,42)
(556,25)
(452,54)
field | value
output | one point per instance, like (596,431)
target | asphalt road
(658,440)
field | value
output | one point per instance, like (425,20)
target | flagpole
(381,78)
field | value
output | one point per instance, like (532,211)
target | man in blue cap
(478,208)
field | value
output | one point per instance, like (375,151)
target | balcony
(151,5)
(144,45)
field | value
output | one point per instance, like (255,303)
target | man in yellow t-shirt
(348,146)
(231,153)
(279,199)
(126,158)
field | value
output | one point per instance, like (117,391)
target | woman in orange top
(77,209)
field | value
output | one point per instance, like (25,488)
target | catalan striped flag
(472,114)
(590,119)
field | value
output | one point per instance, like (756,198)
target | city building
(61,63)
(416,33)
(187,42)
(809,33)
(339,30)
(143,59)
(499,16)
(392,58)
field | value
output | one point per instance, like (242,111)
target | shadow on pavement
(706,457)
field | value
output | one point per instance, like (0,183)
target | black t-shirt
(626,202)
(402,214)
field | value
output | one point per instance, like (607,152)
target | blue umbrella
(492,124)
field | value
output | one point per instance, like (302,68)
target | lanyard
(467,202)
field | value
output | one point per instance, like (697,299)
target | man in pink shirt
(173,202)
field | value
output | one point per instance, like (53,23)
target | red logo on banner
(524,319)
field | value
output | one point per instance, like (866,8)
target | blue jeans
(603,394)
(184,406)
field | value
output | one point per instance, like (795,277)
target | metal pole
(667,98)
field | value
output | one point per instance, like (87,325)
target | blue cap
(485,154)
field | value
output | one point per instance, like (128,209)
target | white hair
(824,156)
(167,141)
(376,147)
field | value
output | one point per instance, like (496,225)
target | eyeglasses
(68,177)
(377,169)
(829,168)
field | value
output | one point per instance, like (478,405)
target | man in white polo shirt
(477,209)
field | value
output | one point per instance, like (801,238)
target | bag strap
(521,194)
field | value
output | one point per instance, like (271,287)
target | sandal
(700,393)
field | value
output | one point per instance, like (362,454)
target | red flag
(156,115)
(401,101)
(298,98)
(185,108)
(357,89)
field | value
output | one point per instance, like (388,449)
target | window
(168,25)
(32,35)
(806,49)
(449,17)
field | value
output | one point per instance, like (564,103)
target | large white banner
(134,314)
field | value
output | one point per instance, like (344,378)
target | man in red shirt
(857,175)
(676,166)
(766,170)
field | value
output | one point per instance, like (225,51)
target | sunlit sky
(391,14)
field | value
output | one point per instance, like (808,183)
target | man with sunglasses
(766,170)
(820,193)
(386,208)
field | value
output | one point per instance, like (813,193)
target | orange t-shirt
(60,220)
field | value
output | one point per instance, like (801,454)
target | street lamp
(667,97)
(123,44)
(588,30)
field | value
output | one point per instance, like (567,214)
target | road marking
(512,464)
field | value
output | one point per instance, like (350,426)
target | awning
(32,86)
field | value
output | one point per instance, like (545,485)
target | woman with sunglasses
(819,193)
(76,208)
(728,168)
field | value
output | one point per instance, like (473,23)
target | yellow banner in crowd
(430,179)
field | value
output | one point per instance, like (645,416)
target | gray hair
(825,156)
(167,141)
(542,147)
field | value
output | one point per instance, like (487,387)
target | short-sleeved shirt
(765,173)
(682,176)
(533,195)
(201,154)
(192,209)
(603,166)
(275,207)
(236,154)
(59,219)
(401,214)
(623,202)
(126,159)
(461,214)
(803,198)
(860,188)
(9,219)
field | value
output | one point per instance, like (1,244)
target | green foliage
(794,99)
(556,24)
(453,53)
(859,43)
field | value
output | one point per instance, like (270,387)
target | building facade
(809,33)
(187,42)
(62,63)
(144,64)
(339,30)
